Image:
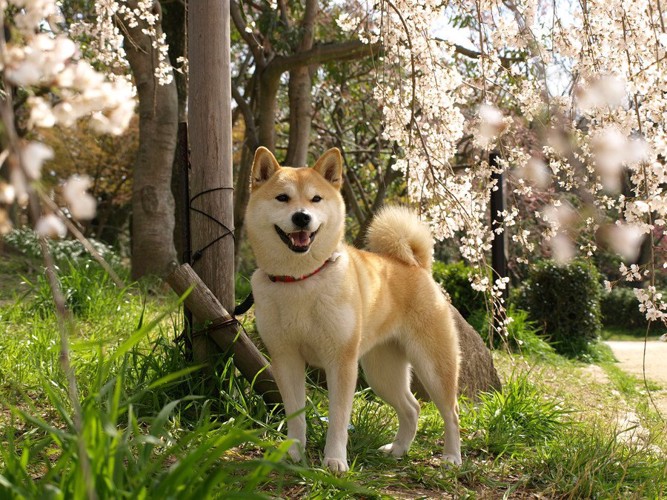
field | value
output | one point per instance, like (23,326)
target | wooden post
(224,331)
(210,140)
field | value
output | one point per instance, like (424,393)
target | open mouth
(298,241)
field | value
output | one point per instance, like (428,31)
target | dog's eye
(316,199)
(283,198)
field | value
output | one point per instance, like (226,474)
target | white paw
(335,464)
(394,449)
(452,459)
(296,452)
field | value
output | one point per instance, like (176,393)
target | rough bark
(174,25)
(477,373)
(152,201)
(210,141)
(299,94)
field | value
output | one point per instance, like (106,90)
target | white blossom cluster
(589,76)
(109,39)
(61,88)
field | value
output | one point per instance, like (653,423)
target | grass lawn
(615,333)
(149,427)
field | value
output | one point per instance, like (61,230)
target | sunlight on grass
(152,426)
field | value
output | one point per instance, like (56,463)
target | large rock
(477,372)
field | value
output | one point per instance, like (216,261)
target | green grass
(636,334)
(152,428)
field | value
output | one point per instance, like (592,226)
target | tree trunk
(210,140)
(152,201)
(299,93)
(174,25)
(300,117)
(259,106)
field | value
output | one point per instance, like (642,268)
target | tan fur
(380,308)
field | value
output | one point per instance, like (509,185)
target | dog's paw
(335,464)
(296,453)
(394,449)
(452,459)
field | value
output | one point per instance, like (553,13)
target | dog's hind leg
(437,369)
(388,373)
(289,370)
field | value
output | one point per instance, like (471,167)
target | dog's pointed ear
(330,166)
(263,166)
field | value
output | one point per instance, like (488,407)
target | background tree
(152,200)
(271,41)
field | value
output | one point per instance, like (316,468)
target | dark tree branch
(323,53)
(248,117)
(473,54)
(250,38)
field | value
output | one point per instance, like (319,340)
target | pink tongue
(300,239)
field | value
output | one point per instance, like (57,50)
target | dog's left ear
(330,166)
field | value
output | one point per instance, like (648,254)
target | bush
(565,301)
(454,279)
(26,241)
(524,335)
(620,308)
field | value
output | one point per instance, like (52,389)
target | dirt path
(630,357)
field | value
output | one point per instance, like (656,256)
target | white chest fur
(316,314)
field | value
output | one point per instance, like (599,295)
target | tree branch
(248,118)
(323,53)
(250,38)
(473,54)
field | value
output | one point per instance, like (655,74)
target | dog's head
(295,216)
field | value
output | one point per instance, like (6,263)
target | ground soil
(631,359)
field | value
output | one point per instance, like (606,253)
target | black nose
(301,219)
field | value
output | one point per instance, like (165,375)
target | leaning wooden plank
(224,330)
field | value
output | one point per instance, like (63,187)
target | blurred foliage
(620,309)
(108,161)
(26,241)
(565,302)
(454,279)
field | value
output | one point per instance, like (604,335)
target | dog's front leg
(289,370)
(341,380)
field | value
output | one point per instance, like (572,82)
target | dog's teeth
(300,238)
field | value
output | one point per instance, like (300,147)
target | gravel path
(630,357)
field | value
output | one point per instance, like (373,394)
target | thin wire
(196,255)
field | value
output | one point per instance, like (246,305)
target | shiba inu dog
(322,302)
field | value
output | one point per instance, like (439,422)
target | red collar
(292,279)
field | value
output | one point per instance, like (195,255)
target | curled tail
(397,232)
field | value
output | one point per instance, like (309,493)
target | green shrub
(524,335)
(565,302)
(454,278)
(620,308)
(27,242)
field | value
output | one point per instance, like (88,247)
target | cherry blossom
(82,205)
(50,226)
